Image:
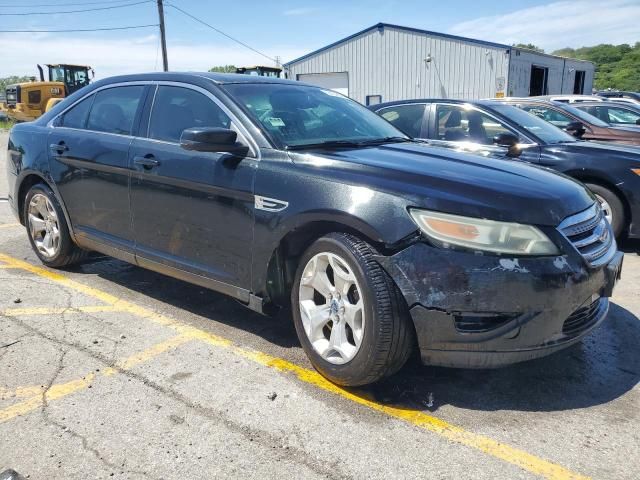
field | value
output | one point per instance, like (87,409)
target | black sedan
(611,171)
(288,196)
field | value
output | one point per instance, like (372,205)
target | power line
(60,4)
(75,11)
(221,32)
(81,29)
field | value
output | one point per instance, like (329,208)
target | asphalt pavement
(111,371)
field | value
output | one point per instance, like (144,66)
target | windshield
(585,116)
(298,116)
(545,131)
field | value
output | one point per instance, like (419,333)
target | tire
(386,336)
(64,251)
(615,207)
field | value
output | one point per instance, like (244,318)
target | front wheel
(349,315)
(611,206)
(47,229)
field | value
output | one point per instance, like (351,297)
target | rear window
(114,109)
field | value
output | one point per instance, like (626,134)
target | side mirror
(510,141)
(575,129)
(638,121)
(210,139)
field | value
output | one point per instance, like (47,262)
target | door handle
(58,148)
(147,162)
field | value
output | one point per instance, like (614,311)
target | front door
(192,211)
(470,130)
(89,151)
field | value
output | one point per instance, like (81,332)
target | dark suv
(286,195)
(496,129)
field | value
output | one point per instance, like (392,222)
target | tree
(223,69)
(617,66)
(11,80)
(528,46)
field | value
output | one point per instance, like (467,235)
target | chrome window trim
(133,83)
(244,133)
(477,109)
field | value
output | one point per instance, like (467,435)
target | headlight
(480,234)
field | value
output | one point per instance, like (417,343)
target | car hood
(627,129)
(609,150)
(463,184)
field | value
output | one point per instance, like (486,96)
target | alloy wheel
(43,225)
(332,308)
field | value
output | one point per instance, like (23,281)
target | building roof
(381,26)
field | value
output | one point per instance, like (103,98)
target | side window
(76,116)
(622,115)
(176,109)
(114,109)
(406,118)
(552,116)
(457,123)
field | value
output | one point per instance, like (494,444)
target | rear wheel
(611,206)
(349,315)
(47,228)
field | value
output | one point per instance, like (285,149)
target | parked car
(564,98)
(616,95)
(491,128)
(284,195)
(612,113)
(578,123)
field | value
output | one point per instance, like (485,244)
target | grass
(6,124)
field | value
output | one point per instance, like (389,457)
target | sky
(282,29)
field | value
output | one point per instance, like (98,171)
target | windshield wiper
(349,143)
(380,141)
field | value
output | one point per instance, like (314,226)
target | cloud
(560,24)
(296,12)
(116,56)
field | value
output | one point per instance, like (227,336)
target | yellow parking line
(9,225)
(14,312)
(35,402)
(62,390)
(494,448)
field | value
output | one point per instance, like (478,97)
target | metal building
(390,62)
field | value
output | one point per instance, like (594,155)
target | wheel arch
(29,180)
(284,259)
(588,177)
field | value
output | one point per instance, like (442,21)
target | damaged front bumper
(482,311)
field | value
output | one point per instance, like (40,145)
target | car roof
(430,100)
(600,104)
(218,78)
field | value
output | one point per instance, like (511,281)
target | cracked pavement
(97,390)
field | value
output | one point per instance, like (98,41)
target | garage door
(338,81)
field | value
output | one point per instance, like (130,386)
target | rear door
(89,154)
(192,211)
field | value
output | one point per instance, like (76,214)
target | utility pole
(163,40)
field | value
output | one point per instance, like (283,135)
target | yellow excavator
(27,101)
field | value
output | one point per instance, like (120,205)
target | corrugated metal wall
(390,62)
(560,78)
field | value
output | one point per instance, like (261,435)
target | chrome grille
(590,234)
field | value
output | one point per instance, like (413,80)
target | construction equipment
(260,71)
(27,101)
